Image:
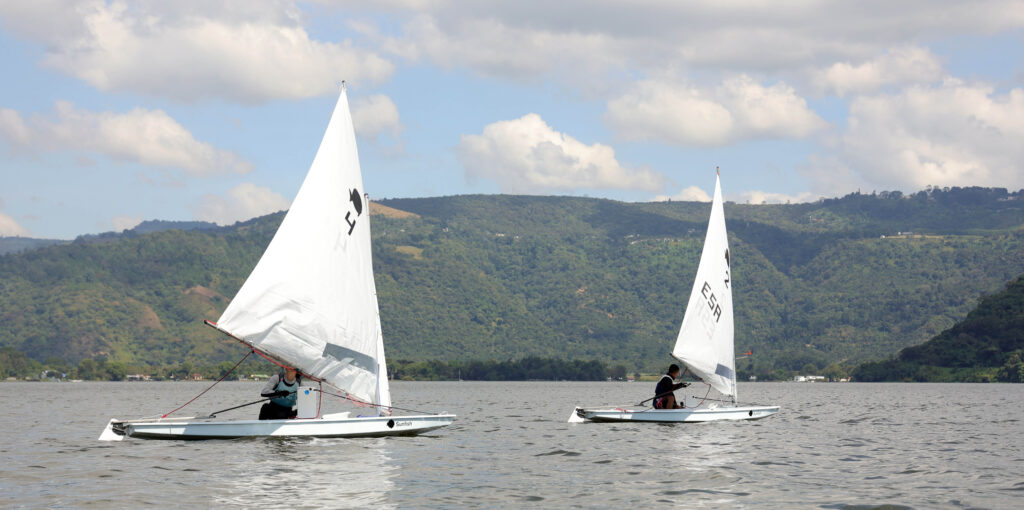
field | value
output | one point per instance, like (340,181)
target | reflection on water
(830,446)
(700,463)
(308,472)
(700,447)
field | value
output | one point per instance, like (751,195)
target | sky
(112,112)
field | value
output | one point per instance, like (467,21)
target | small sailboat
(705,341)
(311,303)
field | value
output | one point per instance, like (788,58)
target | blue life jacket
(293,388)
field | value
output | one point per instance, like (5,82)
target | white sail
(383,387)
(311,301)
(705,342)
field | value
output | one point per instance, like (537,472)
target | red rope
(705,396)
(272,360)
(350,398)
(268,358)
(211,386)
(257,351)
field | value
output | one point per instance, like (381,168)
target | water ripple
(836,446)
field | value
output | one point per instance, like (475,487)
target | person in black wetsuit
(663,396)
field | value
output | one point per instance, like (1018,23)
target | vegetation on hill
(21,244)
(820,286)
(988,345)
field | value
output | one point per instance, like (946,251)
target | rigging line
(680,378)
(257,351)
(705,395)
(738,403)
(320,401)
(211,386)
(274,361)
(215,413)
(360,402)
(662,395)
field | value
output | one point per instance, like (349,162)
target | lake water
(831,446)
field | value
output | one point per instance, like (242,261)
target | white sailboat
(311,303)
(705,341)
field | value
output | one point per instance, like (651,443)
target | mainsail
(705,342)
(311,301)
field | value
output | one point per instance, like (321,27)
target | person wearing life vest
(663,396)
(282,390)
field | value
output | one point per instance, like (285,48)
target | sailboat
(311,303)
(705,341)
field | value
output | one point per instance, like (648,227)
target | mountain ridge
(507,277)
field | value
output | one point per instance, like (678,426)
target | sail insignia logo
(728,265)
(357,203)
(712,301)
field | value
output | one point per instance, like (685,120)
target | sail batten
(311,299)
(705,340)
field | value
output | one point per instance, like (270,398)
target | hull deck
(336,425)
(688,415)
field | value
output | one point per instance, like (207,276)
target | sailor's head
(673,370)
(289,373)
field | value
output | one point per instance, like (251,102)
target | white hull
(331,425)
(688,415)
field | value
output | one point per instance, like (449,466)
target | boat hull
(337,425)
(688,415)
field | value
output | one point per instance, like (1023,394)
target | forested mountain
(507,277)
(21,244)
(988,345)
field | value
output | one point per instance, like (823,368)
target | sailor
(663,396)
(282,389)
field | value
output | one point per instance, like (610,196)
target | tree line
(15,364)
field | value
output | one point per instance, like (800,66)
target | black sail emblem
(728,266)
(357,202)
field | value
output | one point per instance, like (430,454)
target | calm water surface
(831,446)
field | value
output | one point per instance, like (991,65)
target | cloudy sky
(116,112)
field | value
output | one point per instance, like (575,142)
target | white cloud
(242,202)
(587,39)
(10,227)
(14,129)
(691,194)
(526,156)
(240,51)
(149,137)
(765,197)
(376,115)
(258,50)
(494,47)
(738,109)
(695,194)
(951,134)
(255,50)
(121,223)
(828,175)
(904,65)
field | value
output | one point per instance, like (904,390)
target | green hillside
(988,345)
(509,277)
